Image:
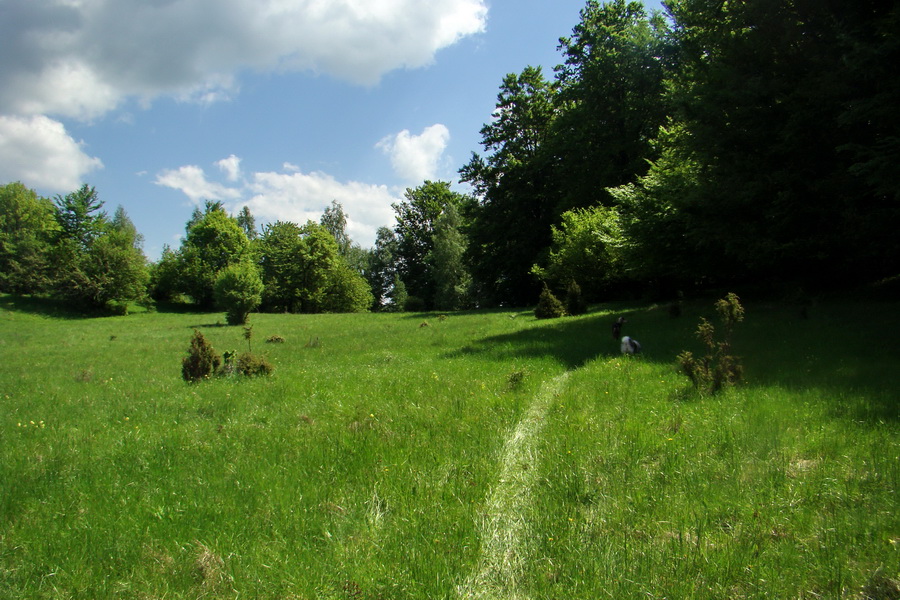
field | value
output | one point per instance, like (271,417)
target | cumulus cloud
(299,196)
(80,59)
(231,166)
(192,182)
(416,158)
(38,152)
(290,196)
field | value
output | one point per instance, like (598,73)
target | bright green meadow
(471,455)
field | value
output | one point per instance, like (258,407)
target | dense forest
(718,143)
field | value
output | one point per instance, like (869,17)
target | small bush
(414,304)
(274,339)
(549,306)
(719,368)
(117,308)
(575,303)
(251,365)
(516,378)
(202,360)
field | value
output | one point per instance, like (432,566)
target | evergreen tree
(97,261)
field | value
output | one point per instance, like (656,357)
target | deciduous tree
(27,230)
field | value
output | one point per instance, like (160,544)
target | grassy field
(477,455)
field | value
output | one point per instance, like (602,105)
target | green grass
(482,455)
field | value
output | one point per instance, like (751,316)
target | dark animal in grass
(630,346)
(617,328)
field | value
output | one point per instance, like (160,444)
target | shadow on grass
(573,341)
(47,307)
(849,352)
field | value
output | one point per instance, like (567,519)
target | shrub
(414,304)
(516,378)
(202,360)
(549,306)
(251,365)
(274,339)
(575,303)
(238,290)
(719,368)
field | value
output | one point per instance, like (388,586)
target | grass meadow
(473,455)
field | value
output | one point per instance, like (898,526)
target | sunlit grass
(365,466)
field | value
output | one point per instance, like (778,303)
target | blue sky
(279,105)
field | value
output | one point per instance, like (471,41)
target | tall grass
(365,466)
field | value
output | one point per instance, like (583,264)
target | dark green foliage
(549,306)
(334,220)
(586,245)
(719,368)
(248,335)
(97,261)
(414,304)
(164,276)
(398,295)
(247,223)
(451,276)
(303,271)
(27,231)
(381,269)
(347,291)
(238,290)
(575,302)
(770,97)
(509,225)
(611,86)
(516,378)
(253,365)
(202,360)
(79,216)
(214,241)
(417,220)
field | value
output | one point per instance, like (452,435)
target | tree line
(714,144)
(70,248)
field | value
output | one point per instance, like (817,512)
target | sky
(283,106)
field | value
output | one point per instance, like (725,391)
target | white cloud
(416,158)
(38,152)
(81,58)
(231,166)
(191,180)
(299,197)
(291,196)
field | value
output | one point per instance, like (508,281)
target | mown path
(505,527)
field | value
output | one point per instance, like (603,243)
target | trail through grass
(505,527)
(471,456)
